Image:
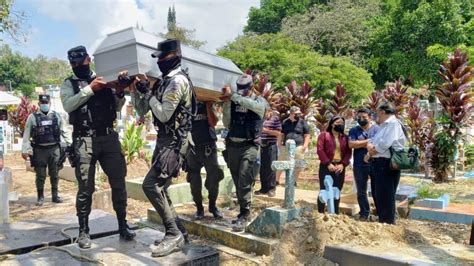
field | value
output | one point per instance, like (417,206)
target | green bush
(132,142)
(469,153)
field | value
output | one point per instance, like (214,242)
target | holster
(71,156)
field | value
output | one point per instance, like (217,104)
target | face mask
(44,107)
(339,128)
(166,66)
(82,71)
(362,122)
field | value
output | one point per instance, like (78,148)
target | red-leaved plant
(397,94)
(374,100)
(422,128)
(301,96)
(339,103)
(17,117)
(322,115)
(456,97)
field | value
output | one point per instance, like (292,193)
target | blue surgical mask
(44,107)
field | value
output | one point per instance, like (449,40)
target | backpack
(406,158)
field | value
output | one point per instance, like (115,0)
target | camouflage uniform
(45,154)
(163,102)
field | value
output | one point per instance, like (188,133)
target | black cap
(167,46)
(44,98)
(244,82)
(77,54)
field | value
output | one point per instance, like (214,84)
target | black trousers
(338,182)
(46,157)
(386,183)
(204,156)
(244,165)
(268,154)
(155,187)
(107,151)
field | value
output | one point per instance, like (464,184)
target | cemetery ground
(303,240)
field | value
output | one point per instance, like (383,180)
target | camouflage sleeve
(30,123)
(66,135)
(72,101)
(175,92)
(256,104)
(226,114)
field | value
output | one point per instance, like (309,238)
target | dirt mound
(304,240)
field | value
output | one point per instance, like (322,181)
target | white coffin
(130,49)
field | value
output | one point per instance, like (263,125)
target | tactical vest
(98,113)
(180,123)
(202,132)
(244,124)
(46,130)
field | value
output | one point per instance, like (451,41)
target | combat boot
(241,223)
(199,213)
(84,239)
(181,228)
(167,246)
(215,211)
(125,231)
(55,197)
(40,200)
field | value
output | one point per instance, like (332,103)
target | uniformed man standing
(173,105)
(204,154)
(92,108)
(243,115)
(44,131)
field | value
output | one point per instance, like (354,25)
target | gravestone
(16,237)
(270,221)
(110,250)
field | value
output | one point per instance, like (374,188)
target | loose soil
(304,240)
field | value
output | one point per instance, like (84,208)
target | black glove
(142,86)
(125,80)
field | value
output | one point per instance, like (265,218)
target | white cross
(329,194)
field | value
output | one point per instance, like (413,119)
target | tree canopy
(25,73)
(267,18)
(186,36)
(285,60)
(401,35)
(338,28)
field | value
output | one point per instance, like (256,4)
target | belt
(268,143)
(45,147)
(242,144)
(336,162)
(95,132)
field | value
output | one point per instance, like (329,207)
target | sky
(55,26)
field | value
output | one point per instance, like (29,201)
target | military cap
(167,46)
(44,98)
(244,82)
(77,54)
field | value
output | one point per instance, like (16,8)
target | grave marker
(329,194)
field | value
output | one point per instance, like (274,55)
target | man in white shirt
(389,136)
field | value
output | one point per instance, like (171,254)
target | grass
(427,191)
